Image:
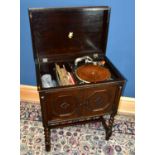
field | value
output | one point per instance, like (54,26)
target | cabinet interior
(50,69)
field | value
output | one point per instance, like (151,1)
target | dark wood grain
(50,29)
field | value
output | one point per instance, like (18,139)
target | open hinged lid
(58,33)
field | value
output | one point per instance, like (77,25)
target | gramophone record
(92,73)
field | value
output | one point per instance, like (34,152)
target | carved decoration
(98,101)
(65,105)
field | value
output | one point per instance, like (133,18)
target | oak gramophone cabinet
(65,39)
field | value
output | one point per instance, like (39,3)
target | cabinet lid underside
(57,32)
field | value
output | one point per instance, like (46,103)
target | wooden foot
(47,139)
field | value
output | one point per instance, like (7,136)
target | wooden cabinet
(60,35)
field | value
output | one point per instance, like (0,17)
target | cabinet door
(98,100)
(62,105)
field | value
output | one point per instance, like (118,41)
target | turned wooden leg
(108,127)
(47,139)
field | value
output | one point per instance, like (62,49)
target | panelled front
(79,103)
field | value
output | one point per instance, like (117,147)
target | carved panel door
(98,101)
(62,105)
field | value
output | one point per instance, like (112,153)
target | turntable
(91,72)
